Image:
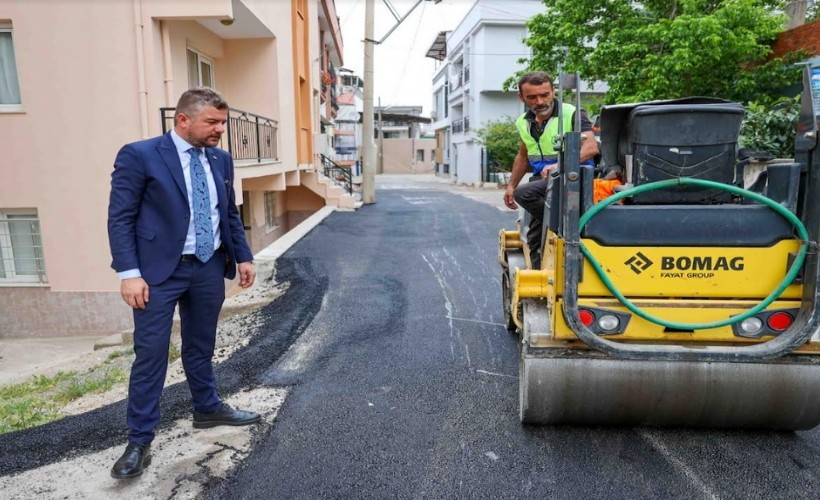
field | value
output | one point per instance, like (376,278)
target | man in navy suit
(175,234)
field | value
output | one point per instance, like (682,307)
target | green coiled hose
(783,211)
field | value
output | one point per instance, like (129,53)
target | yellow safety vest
(541,153)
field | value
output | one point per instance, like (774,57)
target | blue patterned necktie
(202,209)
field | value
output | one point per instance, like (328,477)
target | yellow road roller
(690,297)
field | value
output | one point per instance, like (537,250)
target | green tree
(500,138)
(771,128)
(658,49)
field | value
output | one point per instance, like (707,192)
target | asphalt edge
(266,255)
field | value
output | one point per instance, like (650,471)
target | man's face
(537,97)
(203,129)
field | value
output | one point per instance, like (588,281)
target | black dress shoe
(225,416)
(131,464)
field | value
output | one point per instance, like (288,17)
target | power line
(349,13)
(409,51)
(516,15)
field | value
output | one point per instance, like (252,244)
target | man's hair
(193,101)
(534,78)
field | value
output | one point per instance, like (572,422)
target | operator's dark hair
(534,78)
(193,101)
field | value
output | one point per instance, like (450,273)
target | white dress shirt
(182,147)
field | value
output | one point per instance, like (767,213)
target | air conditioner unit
(433,115)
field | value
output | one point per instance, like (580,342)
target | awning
(438,50)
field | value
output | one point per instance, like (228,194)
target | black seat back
(670,141)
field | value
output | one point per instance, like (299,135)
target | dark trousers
(531,196)
(200,291)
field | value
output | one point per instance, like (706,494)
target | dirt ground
(183,458)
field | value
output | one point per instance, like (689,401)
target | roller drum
(602,391)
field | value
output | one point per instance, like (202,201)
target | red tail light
(780,321)
(586,317)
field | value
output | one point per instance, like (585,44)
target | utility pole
(368,134)
(368,169)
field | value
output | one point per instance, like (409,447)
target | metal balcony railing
(466,74)
(338,174)
(458,126)
(466,123)
(21,250)
(250,136)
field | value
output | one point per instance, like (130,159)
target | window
(200,70)
(9,85)
(271,221)
(419,155)
(21,248)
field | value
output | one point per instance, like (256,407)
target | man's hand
(247,274)
(548,170)
(134,292)
(508,198)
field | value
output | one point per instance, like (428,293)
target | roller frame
(568,385)
(805,325)
(761,386)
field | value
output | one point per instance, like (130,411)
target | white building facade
(476,58)
(348,132)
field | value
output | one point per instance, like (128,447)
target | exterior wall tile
(39,312)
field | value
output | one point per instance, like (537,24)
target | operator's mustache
(543,108)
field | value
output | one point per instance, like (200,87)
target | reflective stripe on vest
(542,153)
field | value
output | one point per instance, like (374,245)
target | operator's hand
(548,170)
(508,198)
(247,274)
(134,292)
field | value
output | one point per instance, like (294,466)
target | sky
(402,74)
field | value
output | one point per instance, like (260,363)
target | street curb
(269,253)
(113,340)
(283,244)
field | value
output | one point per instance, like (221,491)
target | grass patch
(118,354)
(92,383)
(173,353)
(38,401)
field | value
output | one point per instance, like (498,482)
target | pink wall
(78,71)
(76,114)
(400,156)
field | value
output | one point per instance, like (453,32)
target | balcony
(458,126)
(466,74)
(250,136)
(466,123)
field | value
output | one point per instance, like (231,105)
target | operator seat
(693,137)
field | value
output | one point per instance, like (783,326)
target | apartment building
(79,79)
(473,61)
(347,135)
(476,57)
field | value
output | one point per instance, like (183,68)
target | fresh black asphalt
(409,388)
(412,390)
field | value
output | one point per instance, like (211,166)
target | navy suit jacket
(148,210)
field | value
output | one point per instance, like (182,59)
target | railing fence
(250,136)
